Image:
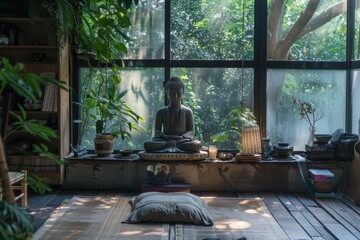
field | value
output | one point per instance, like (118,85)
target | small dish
(126,152)
(225,156)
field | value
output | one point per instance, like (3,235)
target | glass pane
(355,100)
(144,96)
(325,90)
(147,30)
(212,94)
(291,36)
(357,32)
(211,30)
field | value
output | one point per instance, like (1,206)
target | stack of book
(51,95)
(320,151)
(50,101)
(322,180)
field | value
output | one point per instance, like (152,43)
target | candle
(212,152)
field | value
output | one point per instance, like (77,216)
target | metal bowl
(225,155)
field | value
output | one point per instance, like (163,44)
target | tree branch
(275,19)
(298,27)
(325,17)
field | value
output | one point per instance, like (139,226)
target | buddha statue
(174,124)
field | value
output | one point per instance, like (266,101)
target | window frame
(260,64)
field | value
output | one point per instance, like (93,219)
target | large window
(224,54)
(324,89)
(304,30)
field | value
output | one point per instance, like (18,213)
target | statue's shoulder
(185,108)
(162,110)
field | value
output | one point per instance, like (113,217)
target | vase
(311,136)
(266,147)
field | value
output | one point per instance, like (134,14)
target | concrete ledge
(111,173)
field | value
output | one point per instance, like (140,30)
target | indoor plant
(96,30)
(308,112)
(112,116)
(16,222)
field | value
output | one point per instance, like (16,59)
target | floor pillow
(174,207)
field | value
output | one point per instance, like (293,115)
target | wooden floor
(300,216)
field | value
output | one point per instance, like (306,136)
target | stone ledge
(128,174)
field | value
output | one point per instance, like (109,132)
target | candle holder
(212,152)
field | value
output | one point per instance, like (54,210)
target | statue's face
(175,94)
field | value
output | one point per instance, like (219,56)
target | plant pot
(104,144)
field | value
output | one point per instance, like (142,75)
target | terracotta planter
(104,144)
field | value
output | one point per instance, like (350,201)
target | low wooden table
(18,182)
(174,187)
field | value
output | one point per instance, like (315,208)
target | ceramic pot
(283,150)
(104,144)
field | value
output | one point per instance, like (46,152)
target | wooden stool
(18,182)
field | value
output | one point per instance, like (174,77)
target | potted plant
(96,30)
(113,117)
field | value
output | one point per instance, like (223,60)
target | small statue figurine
(174,124)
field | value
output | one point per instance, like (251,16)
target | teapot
(283,150)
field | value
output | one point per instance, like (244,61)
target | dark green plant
(106,106)
(16,223)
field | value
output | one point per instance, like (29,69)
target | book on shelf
(51,95)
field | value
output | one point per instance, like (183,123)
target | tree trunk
(4,175)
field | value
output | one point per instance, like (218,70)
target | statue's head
(174,83)
(174,89)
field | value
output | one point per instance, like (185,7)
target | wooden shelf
(25,20)
(29,47)
(34,35)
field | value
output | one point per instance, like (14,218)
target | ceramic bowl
(225,156)
(322,138)
(126,152)
(283,150)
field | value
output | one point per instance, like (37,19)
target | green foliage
(104,104)
(37,184)
(31,126)
(238,117)
(16,223)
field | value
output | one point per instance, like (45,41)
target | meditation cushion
(173,207)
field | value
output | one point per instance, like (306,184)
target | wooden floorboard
(291,227)
(331,224)
(300,216)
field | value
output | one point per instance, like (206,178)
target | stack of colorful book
(322,180)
